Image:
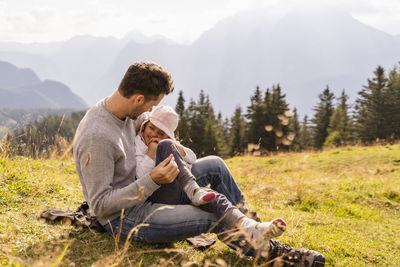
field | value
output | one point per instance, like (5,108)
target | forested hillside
(267,125)
(12,118)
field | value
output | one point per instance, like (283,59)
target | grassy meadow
(344,203)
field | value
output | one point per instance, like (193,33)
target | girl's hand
(152,148)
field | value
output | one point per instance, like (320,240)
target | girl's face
(150,132)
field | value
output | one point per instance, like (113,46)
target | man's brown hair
(146,78)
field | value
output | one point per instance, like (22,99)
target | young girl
(155,142)
(161,125)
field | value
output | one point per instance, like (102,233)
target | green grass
(344,203)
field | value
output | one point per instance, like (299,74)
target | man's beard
(134,115)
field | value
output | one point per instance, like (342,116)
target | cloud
(41,20)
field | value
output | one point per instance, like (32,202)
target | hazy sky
(180,20)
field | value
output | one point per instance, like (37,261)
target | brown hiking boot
(283,255)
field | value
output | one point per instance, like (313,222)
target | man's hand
(165,172)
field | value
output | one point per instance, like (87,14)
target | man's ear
(140,99)
(137,99)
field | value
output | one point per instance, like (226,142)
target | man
(104,154)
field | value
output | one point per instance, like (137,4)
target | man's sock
(259,233)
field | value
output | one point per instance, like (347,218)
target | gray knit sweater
(104,154)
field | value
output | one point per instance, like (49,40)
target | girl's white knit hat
(164,118)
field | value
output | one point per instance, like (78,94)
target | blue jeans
(212,170)
(164,223)
(173,193)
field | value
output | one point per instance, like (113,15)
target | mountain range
(303,50)
(22,89)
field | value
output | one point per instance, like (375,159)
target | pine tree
(180,104)
(237,132)
(293,135)
(276,116)
(202,128)
(222,131)
(371,113)
(323,113)
(225,126)
(305,137)
(340,124)
(196,129)
(393,107)
(210,141)
(255,117)
(210,137)
(268,119)
(182,131)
